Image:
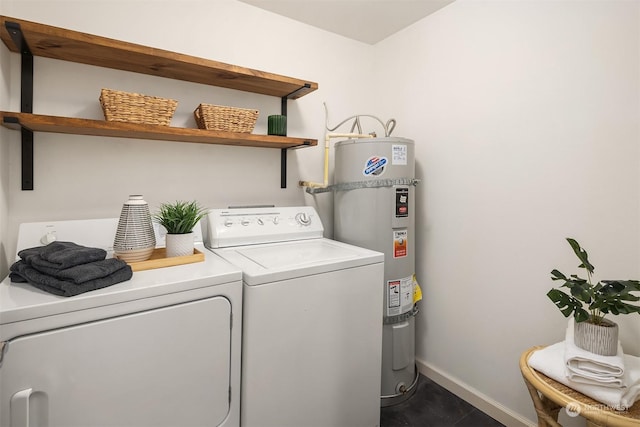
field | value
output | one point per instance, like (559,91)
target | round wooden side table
(549,396)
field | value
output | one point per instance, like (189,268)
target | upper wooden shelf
(68,45)
(75,126)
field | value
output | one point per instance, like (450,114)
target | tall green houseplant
(589,301)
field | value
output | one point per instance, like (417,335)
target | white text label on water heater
(399,154)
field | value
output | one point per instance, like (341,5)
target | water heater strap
(376,183)
(401,317)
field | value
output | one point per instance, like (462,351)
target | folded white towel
(550,361)
(590,368)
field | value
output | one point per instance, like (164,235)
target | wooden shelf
(31,39)
(75,126)
(58,43)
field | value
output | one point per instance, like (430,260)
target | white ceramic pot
(179,244)
(599,339)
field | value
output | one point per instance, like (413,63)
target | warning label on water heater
(402,202)
(374,166)
(399,296)
(400,243)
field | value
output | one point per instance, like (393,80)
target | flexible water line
(388,128)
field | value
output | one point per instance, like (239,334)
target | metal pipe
(327,139)
(388,128)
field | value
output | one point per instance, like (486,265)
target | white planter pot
(598,339)
(179,244)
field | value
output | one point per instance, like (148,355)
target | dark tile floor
(434,406)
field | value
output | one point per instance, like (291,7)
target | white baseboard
(479,400)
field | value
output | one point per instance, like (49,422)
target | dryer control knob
(228,223)
(50,237)
(276,220)
(245,222)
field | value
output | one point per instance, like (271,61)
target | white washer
(312,319)
(162,349)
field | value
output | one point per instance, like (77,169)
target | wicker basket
(225,119)
(130,107)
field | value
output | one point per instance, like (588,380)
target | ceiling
(368,21)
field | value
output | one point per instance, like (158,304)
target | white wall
(90,177)
(524,113)
(525,116)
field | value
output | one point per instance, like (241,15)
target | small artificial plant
(588,301)
(179,217)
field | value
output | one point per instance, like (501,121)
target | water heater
(374,207)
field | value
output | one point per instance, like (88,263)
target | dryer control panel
(248,226)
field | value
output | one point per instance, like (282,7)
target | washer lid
(271,262)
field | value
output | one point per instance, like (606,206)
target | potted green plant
(590,302)
(179,219)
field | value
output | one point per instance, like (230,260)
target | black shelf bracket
(26,100)
(283,168)
(283,152)
(304,88)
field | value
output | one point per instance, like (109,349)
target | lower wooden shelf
(77,126)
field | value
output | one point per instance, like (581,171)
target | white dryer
(312,319)
(162,349)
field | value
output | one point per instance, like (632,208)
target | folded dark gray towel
(68,269)
(29,254)
(80,273)
(63,254)
(22,272)
(14,272)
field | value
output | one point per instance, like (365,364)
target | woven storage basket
(226,119)
(131,107)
